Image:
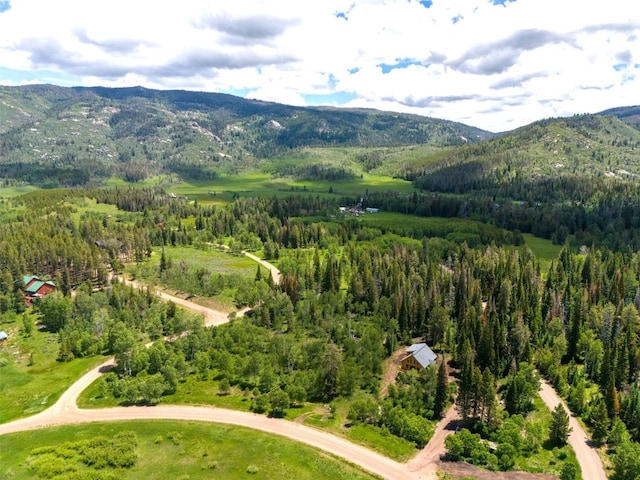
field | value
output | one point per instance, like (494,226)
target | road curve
(275,273)
(65,411)
(586,455)
(369,460)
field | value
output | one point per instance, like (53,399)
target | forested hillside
(572,179)
(350,296)
(51,136)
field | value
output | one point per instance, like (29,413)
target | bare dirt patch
(391,369)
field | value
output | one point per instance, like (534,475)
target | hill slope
(583,146)
(73,135)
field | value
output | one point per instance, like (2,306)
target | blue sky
(494,64)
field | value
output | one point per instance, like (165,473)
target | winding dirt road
(65,411)
(586,454)
(422,467)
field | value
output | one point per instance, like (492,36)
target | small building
(40,289)
(418,356)
(36,288)
(3,336)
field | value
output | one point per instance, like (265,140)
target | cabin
(36,288)
(418,356)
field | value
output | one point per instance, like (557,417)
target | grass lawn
(179,450)
(30,377)
(383,442)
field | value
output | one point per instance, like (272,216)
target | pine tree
(163,262)
(611,398)
(600,421)
(488,398)
(441,390)
(464,400)
(559,429)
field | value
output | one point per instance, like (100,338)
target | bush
(506,456)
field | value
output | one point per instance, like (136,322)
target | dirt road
(586,455)
(275,273)
(422,467)
(66,411)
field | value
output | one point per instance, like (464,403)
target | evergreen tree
(559,428)
(599,421)
(466,387)
(441,390)
(489,401)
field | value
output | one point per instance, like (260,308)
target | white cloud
(496,67)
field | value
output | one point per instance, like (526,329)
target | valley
(287,254)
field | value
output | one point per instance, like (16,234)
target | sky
(492,64)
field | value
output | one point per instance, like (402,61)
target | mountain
(629,115)
(55,135)
(573,180)
(588,146)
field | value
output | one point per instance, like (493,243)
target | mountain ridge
(51,135)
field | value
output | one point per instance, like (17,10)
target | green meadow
(168,449)
(217,260)
(31,379)
(543,249)
(222,189)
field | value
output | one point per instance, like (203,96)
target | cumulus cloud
(247,29)
(498,57)
(492,64)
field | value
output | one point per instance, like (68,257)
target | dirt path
(275,273)
(356,454)
(65,411)
(391,369)
(586,454)
(211,317)
(429,456)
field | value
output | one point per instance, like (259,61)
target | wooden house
(36,288)
(418,356)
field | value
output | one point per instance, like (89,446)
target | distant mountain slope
(584,146)
(629,115)
(574,180)
(74,135)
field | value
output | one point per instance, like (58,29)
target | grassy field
(222,189)
(88,207)
(8,192)
(542,248)
(206,392)
(177,450)
(30,377)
